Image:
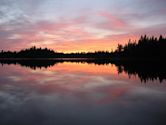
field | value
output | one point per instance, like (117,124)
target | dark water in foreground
(79,94)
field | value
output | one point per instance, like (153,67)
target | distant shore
(146,48)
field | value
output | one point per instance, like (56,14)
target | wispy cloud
(78,25)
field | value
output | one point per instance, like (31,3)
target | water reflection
(79,94)
(153,70)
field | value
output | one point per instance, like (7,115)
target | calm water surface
(79,94)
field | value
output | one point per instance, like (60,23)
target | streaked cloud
(78,25)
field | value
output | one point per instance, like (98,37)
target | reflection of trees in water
(145,70)
(33,64)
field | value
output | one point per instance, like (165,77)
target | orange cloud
(70,36)
(61,44)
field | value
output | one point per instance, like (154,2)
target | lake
(80,93)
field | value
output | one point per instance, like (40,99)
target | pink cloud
(72,35)
(51,26)
(112,22)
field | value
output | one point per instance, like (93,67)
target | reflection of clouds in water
(144,93)
(15,78)
(21,105)
(42,72)
(92,86)
(51,97)
(102,82)
(11,97)
(82,81)
(43,82)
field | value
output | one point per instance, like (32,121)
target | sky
(78,25)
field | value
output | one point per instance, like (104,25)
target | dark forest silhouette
(144,48)
(35,53)
(145,58)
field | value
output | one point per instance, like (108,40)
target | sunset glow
(78,25)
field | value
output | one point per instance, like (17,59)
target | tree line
(145,48)
(34,52)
